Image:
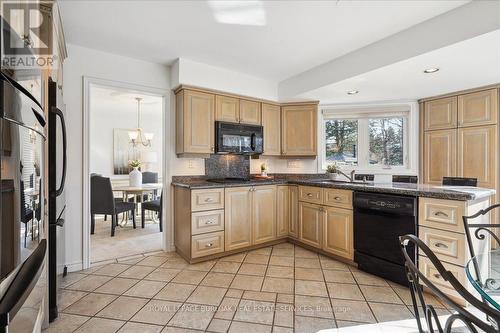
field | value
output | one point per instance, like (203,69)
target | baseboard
(74,267)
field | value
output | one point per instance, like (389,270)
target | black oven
(231,138)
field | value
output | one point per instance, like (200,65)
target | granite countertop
(419,190)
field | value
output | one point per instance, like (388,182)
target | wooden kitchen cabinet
(263,214)
(311,218)
(227,108)
(194,123)
(283,210)
(478,108)
(440,113)
(250,112)
(298,130)
(293,226)
(271,121)
(440,155)
(338,232)
(477,154)
(238,217)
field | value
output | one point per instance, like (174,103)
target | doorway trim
(166,220)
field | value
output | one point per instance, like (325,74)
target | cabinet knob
(209,245)
(309,195)
(337,198)
(437,276)
(210,222)
(209,200)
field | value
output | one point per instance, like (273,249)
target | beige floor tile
(162,274)
(277,285)
(345,291)
(218,325)
(338,276)
(137,272)
(313,274)
(189,277)
(390,312)
(404,294)
(234,293)
(193,316)
(239,327)
(67,297)
(368,279)
(169,329)
(247,282)
(285,298)
(66,323)
(152,261)
(259,296)
(309,324)
(264,251)
(284,245)
(122,308)
(91,269)
(226,267)
(380,294)
(176,263)
(207,295)
(215,279)
(89,283)
(116,286)
(239,257)
(283,315)
(345,323)
(227,308)
(303,253)
(307,263)
(281,261)
(140,328)
(283,252)
(157,312)
(256,259)
(252,269)
(130,260)
(280,272)
(90,304)
(204,266)
(352,311)
(313,306)
(175,292)
(69,279)
(111,269)
(310,288)
(255,312)
(279,329)
(145,289)
(327,263)
(100,325)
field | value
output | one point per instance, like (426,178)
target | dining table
(487,280)
(137,192)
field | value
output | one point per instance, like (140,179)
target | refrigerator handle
(59,113)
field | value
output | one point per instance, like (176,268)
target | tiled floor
(279,289)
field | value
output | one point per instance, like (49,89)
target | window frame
(362,113)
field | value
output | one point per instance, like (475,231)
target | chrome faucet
(351,177)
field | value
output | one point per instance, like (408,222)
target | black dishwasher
(379,220)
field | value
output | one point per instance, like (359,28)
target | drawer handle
(209,245)
(437,276)
(209,200)
(441,245)
(210,222)
(309,195)
(338,198)
(439,213)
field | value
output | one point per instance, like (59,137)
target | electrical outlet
(190,164)
(293,164)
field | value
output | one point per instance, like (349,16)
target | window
(370,139)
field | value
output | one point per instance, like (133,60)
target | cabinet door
(293,226)
(479,108)
(477,154)
(271,121)
(311,218)
(440,155)
(440,113)
(195,122)
(250,112)
(264,214)
(338,232)
(238,218)
(227,108)
(283,211)
(298,126)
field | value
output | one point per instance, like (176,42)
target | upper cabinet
(440,155)
(227,109)
(440,114)
(299,130)
(478,108)
(250,112)
(194,122)
(271,121)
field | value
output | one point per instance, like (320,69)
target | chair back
(416,278)
(25,216)
(149,177)
(101,196)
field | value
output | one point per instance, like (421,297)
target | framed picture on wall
(123,151)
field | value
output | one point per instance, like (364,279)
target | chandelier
(136,137)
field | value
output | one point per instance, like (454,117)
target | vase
(263,173)
(333,176)
(135,178)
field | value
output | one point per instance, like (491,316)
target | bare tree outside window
(386,141)
(341,141)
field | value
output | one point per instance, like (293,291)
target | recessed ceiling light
(431,70)
(240,12)
(352,92)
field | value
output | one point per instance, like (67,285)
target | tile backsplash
(221,166)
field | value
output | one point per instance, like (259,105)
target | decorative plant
(263,167)
(135,163)
(332,168)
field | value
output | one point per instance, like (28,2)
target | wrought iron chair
(416,278)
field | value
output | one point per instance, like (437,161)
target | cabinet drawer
(311,194)
(206,244)
(207,199)
(430,272)
(209,221)
(338,198)
(448,246)
(442,214)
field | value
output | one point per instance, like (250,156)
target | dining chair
(38,209)
(149,177)
(155,206)
(103,202)
(26,213)
(460,315)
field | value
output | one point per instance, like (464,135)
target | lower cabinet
(264,214)
(311,218)
(293,220)
(338,232)
(238,217)
(283,211)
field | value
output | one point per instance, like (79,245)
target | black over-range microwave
(231,138)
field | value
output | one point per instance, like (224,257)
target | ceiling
(272,40)
(125,100)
